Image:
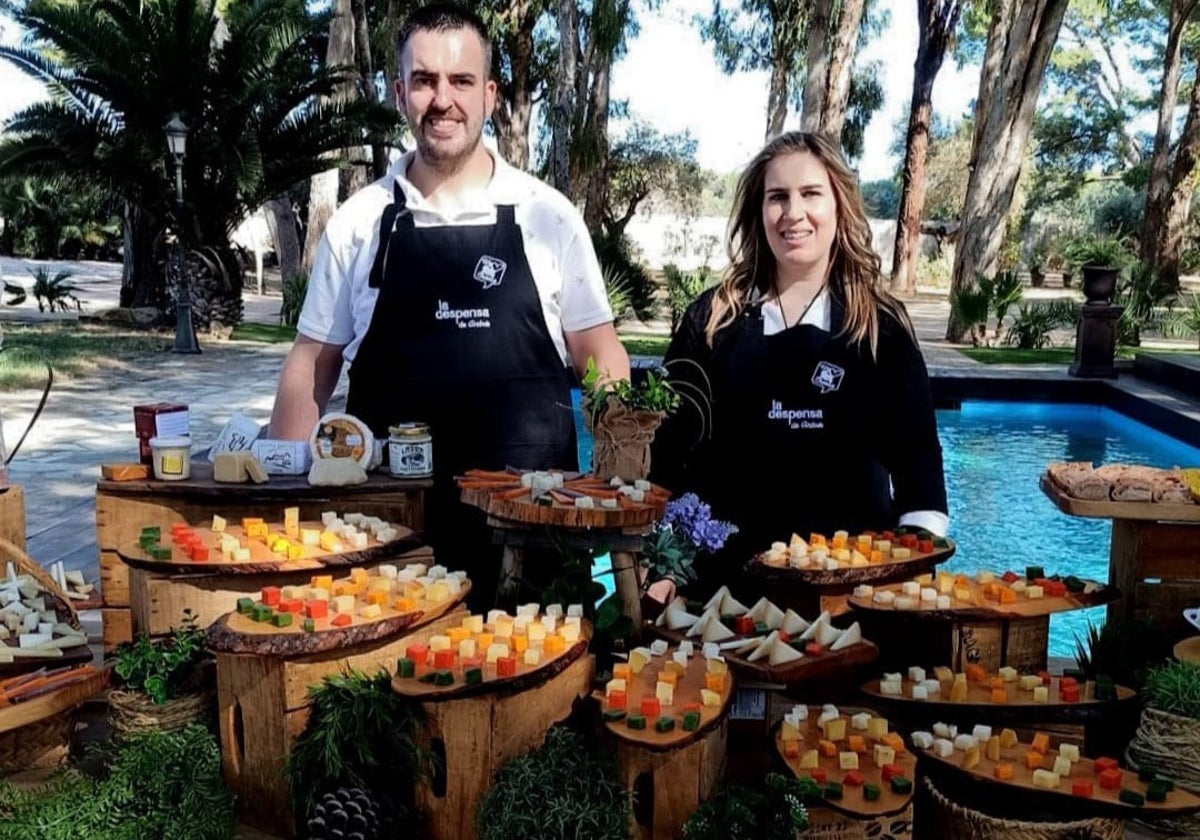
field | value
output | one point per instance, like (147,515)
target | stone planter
(1099,283)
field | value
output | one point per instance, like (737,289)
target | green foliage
(776,811)
(360,734)
(575,584)
(620,298)
(58,218)
(1099,250)
(1186,320)
(1148,298)
(615,254)
(1120,214)
(1004,291)
(16,294)
(666,555)
(162,785)
(1175,687)
(54,292)
(164,669)
(654,393)
(882,198)
(646,165)
(1034,323)
(683,287)
(561,791)
(971,305)
(295,288)
(1123,649)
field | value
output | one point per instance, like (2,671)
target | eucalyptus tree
(117,70)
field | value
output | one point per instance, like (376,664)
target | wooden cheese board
(687,698)
(1108,509)
(1188,650)
(979,696)
(262,558)
(63,689)
(523,678)
(1103,802)
(979,606)
(238,632)
(811,667)
(853,800)
(503,496)
(887,569)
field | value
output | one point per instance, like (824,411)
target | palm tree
(117,70)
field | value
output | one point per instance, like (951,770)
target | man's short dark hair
(444,17)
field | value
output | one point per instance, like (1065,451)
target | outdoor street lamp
(185,334)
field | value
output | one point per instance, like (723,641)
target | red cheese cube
(418,654)
(1102,764)
(888,771)
(199,553)
(819,775)
(292,605)
(784,637)
(1082,787)
(691,707)
(470,662)
(1069,693)
(1046,678)
(743,625)
(341,620)
(443,659)
(909,541)
(1054,589)
(651,707)
(1064,682)
(888,535)
(180,526)
(506,666)
(813,649)
(618,700)
(854,778)
(271,595)
(1009,576)
(925,546)
(1111,779)
(320,609)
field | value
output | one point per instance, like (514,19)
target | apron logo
(828,377)
(464,319)
(797,418)
(490,271)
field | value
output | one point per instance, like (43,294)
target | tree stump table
(12,515)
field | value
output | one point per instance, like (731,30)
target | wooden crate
(263,706)
(905,639)
(12,515)
(667,787)
(124,508)
(1153,565)
(477,735)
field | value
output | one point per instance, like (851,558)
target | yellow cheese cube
(877,727)
(709,698)
(673,667)
(343,603)
(665,692)
(943,674)
(503,627)
(848,760)
(438,592)
(569,633)
(218,524)
(457,634)
(466,648)
(963,593)
(533,657)
(901,553)
(671,677)
(535,632)
(554,644)
(810,759)
(716,666)
(835,730)
(992,748)
(615,684)
(359,576)
(495,651)
(371,611)
(484,640)
(971,758)
(638,658)
(789,732)
(1029,682)
(473,623)
(1034,592)
(884,755)
(1008,738)
(295,551)
(439,642)
(241,555)
(330,542)
(310,536)
(1041,694)
(322,582)
(1045,779)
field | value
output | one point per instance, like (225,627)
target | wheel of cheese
(338,435)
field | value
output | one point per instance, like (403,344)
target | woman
(821,416)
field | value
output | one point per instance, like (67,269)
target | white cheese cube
(1069,751)
(942,602)
(1062,766)
(945,730)
(884,597)
(965,742)
(920,692)
(686,648)
(1029,682)
(575,611)
(848,760)
(981,733)
(860,721)
(923,740)
(658,647)
(864,590)
(890,689)
(929,595)
(905,603)
(916,674)
(932,686)
(943,748)
(911,588)
(1008,674)
(1041,694)
(1033,592)
(1045,779)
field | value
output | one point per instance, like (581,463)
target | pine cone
(347,814)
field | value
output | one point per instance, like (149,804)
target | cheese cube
(943,602)
(532,656)
(885,754)
(943,748)
(981,732)
(809,759)
(965,742)
(905,602)
(665,692)
(864,590)
(922,740)
(835,730)
(985,577)
(828,712)
(1029,682)
(848,760)
(971,758)
(466,649)
(884,597)
(570,634)
(345,604)
(371,611)
(1033,593)
(1041,694)
(993,748)
(916,674)
(638,657)
(789,731)
(495,651)
(877,727)
(963,593)
(958,691)
(920,692)
(1045,779)
(1069,751)
(1008,674)
(890,688)
(218,524)
(929,595)
(944,730)
(709,698)
(657,648)
(439,642)
(1062,766)
(911,588)
(860,721)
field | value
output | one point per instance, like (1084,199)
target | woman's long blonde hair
(854,272)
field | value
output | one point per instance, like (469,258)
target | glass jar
(172,458)
(410,450)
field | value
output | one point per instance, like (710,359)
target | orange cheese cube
(554,644)
(1007,596)
(456,634)
(827,748)
(857,743)
(322,582)
(714,682)
(670,677)
(976,674)
(483,641)
(621,671)
(1033,760)
(521,644)
(999,695)
(404,605)
(377,597)
(1040,743)
(876,556)
(791,749)
(1003,772)
(359,576)
(893,740)
(996,682)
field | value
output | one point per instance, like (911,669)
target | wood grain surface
(202,486)
(979,696)
(1107,509)
(915,565)
(981,608)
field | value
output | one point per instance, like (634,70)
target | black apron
(458,340)
(793,448)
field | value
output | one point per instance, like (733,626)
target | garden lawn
(646,345)
(71,349)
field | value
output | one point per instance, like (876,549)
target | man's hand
(306,382)
(662,591)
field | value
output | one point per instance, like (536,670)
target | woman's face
(799,215)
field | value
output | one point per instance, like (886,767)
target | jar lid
(171,442)
(408,429)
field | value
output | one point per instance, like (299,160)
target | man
(467,309)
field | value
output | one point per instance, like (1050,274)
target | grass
(268,333)
(71,349)
(646,345)
(1015,356)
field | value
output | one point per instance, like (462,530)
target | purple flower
(692,518)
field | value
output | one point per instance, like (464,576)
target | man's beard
(439,155)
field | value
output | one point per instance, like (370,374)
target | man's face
(445,93)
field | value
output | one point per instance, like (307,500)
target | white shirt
(340,303)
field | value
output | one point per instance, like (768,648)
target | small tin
(410,450)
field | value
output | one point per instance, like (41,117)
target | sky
(670,78)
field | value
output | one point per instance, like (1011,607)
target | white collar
(503,188)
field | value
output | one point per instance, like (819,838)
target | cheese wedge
(812,629)
(763,650)
(716,632)
(852,635)
(767,613)
(782,653)
(793,624)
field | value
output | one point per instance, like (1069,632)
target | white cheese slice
(792,623)
(852,635)
(811,631)
(782,653)
(827,634)
(716,632)
(763,649)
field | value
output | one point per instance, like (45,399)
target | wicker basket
(1171,745)
(44,743)
(950,820)
(133,712)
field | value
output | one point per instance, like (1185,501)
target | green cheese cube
(691,721)
(405,667)
(1132,797)
(901,785)
(636,721)
(261,612)
(1034,572)
(429,677)
(443,677)
(473,676)
(152,531)
(1146,773)
(1156,791)
(613,715)
(245,606)
(282,619)
(871,793)
(760,628)
(833,790)
(308,625)
(664,724)
(1074,584)
(161,552)
(941,542)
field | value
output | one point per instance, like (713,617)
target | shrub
(683,287)
(1148,298)
(1031,329)
(1097,250)
(774,812)
(54,292)
(168,668)
(970,307)
(616,256)
(295,289)
(936,271)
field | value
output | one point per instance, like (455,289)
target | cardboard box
(158,419)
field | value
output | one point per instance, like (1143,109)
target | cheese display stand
(668,719)
(274,649)
(487,707)
(150,599)
(990,620)
(818,574)
(12,515)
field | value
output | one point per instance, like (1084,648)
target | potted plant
(1168,736)
(168,682)
(623,418)
(1037,267)
(1100,260)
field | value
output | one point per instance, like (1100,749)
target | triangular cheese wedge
(714,603)
(701,624)
(783,653)
(764,648)
(731,605)
(827,634)
(748,645)
(678,603)
(767,613)
(793,624)
(716,632)
(852,635)
(679,619)
(798,545)
(811,631)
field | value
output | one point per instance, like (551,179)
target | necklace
(803,312)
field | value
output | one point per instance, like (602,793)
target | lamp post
(185,334)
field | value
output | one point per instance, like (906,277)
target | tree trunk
(512,116)
(563,110)
(143,282)
(820,15)
(937,20)
(841,61)
(281,220)
(777,98)
(1158,186)
(366,74)
(1020,41)
(323,189)
(596,197)
(1169,243)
